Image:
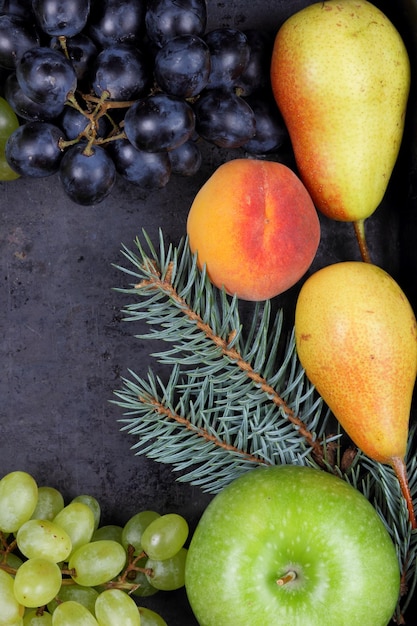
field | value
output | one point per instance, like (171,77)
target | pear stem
(359,226)
(400,470)
(287,578)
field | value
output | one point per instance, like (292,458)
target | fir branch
(188,430)
(177,440)
(224,376)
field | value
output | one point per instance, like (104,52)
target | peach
(255,227)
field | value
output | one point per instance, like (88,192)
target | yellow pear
(340,74)
(356,337)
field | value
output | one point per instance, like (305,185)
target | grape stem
(8,569)
(121,135)
(66,143)
(69,572)
(72,101)
(63,43)
(101,108)
(130,570)
(103,103)
(7,549)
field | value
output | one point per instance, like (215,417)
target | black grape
(116,21)
(182,66)
(46,76)
(26,108)
(257,72)
(186,160)
(229,55)
(16,36)
(166,19)
(224,118)
(82,52)
(121,71)
(61,17)
(159,122)
(87,176)
(33,149)
(148,170)
(22,8)
(271,132)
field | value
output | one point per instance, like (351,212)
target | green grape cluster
(59,566)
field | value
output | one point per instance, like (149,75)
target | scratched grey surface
(64,347)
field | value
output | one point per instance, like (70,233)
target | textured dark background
(64,347)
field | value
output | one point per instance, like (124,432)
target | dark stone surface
(64,346)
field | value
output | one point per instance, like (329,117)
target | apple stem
(359,226)
(400,470)
(287,578)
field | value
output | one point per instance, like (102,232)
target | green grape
(8,123)
(134,527)
(169,574)
(11,609)
(18,622)
(35,618)
(18,498)
(86,596)
(37,581)
(150,618)
(94,506)
(165,536)
(8,119)
(44,539)
(97,562)
(50,502)
(145,588)
(6,172)
(71,613)
(115,607)
(111,531)
(77,519)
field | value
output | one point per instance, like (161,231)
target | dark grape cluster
(103,88)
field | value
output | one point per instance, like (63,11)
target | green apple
(291,546)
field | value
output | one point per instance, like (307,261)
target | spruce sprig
(226,403)
(236,396)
